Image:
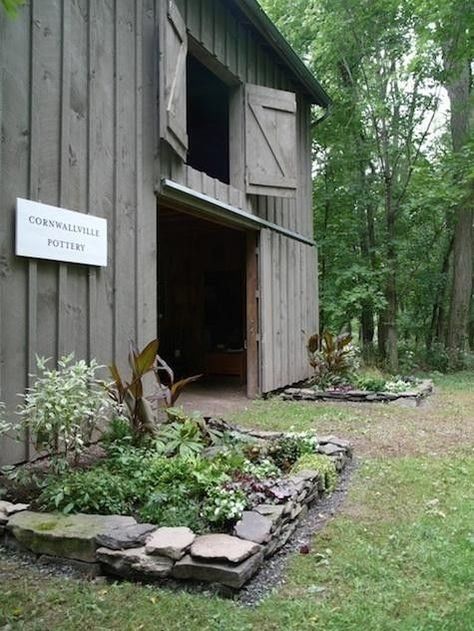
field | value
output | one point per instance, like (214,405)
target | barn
(186,125)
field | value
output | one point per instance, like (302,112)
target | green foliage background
(387,184)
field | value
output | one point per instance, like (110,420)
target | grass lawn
(398,556)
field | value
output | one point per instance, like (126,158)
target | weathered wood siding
(77,114)
(287,268)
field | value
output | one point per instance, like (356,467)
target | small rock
(8,508)
(170,542)
(123,537)
(272,511)
(230,574)
(221,547)
(254,527)
(330,449)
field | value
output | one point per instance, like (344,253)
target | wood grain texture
(78,105)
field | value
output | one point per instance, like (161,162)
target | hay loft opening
(202,296)
(207,121)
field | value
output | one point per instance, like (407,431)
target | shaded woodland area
(393,175)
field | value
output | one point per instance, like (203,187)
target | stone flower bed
(412,397)
(119,546)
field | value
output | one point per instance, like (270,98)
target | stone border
(413,398)
(119,546)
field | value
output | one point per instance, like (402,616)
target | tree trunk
(435,333)
(459,92)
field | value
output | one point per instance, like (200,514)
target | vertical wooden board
(305,301)
(293,326)
(125,180)
(266,311)
(296,312)
(231,43)
(101,173)
(46,134)
(207,25)
(146,200)
(284,306)
(278,306)
(241,52)
(219,32)
(74,161)
(192,16)
(252,315)
(14,158)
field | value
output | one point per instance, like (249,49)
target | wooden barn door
(270,142)
(288,308)
(173,81)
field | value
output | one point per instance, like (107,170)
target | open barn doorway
(203,301)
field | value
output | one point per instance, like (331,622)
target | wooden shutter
(270,141)
(174,71)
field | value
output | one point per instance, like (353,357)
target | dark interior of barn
(202,321)
(207,121)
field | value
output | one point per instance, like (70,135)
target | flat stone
(8,508)
(230,574)
(254,527)
(170,542)
(69,536)
(221,547)
(330,449)
(3,519)
(272,511)
(341,442)
(134,562)
(308,475)
(297,510)
(125,536)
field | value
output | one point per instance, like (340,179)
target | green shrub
(97,490)
(319,462)
(285,451)
(64,406)
(372,383)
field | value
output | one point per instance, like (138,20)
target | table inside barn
(229,363)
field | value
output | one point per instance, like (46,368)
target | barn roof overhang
(282,48)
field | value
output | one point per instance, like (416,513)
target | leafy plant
(370,383)
(174,508)
(331,357)
(400,384)
(5,426)
(261,470)
(131,393)
(319,462)
(95,491)
(64,406)
(183,439)
(285,451)
(225,504)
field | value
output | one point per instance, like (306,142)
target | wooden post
(253,386)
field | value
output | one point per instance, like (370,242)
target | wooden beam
(253,386)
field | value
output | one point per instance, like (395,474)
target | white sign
(48,232)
